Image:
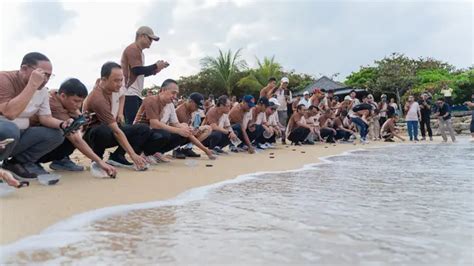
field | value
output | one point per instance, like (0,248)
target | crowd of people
(39,125)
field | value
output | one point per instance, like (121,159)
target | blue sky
(314,37)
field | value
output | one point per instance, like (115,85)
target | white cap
(285,80)
(274,101)
(305,93)
(347,98)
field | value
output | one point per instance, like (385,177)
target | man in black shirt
(425,110)
(444,119)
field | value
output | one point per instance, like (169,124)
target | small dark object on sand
(271,157)
(303,152)
(294,150)
(208,165)
(325,147)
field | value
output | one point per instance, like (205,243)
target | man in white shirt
(412,109)
(285,98)
(22,95)
(305,100)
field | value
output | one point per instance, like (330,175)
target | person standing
(383,109)
(284,97)
(425,111)
(412,109)
(471,106)
(444,118)
(134,71)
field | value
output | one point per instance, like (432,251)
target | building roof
(328,84)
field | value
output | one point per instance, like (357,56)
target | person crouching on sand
(297,130)
(389,131)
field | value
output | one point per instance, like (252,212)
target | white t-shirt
(261,118)
(447,92)
(168,115)
(273,119)
(247,118)
(38,105)
(305,102)
(137,86)
(224,121)
(116,100)
(280,96)
(412,114)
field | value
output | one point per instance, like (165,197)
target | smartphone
(6,141)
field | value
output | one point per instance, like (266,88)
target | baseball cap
(305,93)
(198,99)
(264,101)
(250,100)
(347,98)
(274,102)
(285,80)
(148,32)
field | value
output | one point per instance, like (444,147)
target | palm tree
(258,78)
(224,68)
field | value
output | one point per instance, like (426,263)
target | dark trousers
(253,135)
(326,132)
(261,139)
(341,134)
(130,108)
(162,141)
(382,121)
(425,121)
(216,139)
(101,137)
(8,130)
(299,134)
(63,150)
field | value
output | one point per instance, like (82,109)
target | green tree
(258,78)
(365,78)
(224,68)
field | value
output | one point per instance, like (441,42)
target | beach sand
(31,210)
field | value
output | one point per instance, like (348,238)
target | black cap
(198,99)
(264,101)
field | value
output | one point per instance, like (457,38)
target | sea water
(399,205)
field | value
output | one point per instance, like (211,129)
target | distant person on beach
(240,117)
(412,110)
(389,131)
(284,97)
(326,101)
(448,94)
(316,98)
(326,129)
(360,115)
(305,100)
(22,95)
(444,119)
(218,119)
(342,132)
(374,124)
(134,71)
(65,104)
(383,109)
(268,90)
(159,113)
(209,103)
(274,120)
(297,129)
(261,119)
(104,132)
(471,106)
(425,111)
(393,108)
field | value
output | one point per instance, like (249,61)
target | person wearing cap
(273,119)
(23,94)
(285,98)
(135,71)
(268,90)
(188,115)
(305,100)
(218,119)
(316,97)
(240,117)
(65,104)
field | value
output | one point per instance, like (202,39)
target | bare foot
(8,178)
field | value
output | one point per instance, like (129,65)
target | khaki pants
(446,124)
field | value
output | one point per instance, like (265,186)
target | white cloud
(311,37)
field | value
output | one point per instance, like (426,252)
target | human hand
(139,161)
(185,132)
(251,150)
(109,169)
(38,78)
(8,178)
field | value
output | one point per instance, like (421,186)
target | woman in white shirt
(412,109)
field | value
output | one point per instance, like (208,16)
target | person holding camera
(425,111)
(134,71)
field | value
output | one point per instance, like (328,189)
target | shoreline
(30,211)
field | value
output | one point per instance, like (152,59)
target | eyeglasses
(48,75)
